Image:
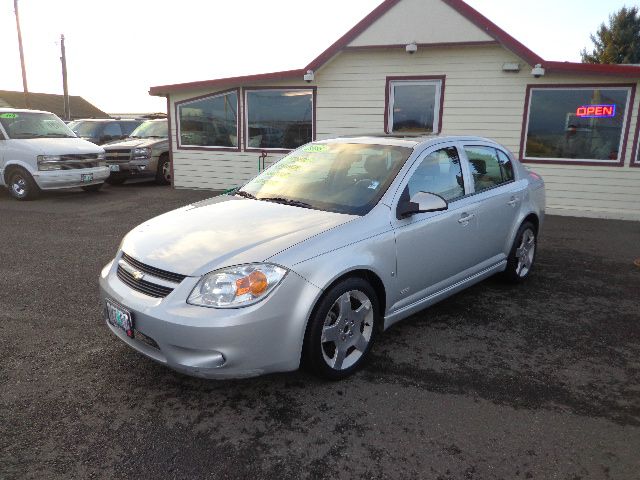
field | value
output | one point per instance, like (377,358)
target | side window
(485,167)
(506,166)
(440,173)
(112,129)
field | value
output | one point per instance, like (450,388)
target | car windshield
(339,177)
(34,125)
(86,128)
(151,129)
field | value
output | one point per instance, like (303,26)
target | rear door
(435,249)
(498,195)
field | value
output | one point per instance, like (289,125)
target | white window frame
(436,106)
(557,160)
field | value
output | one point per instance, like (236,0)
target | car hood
(224,231)
(134,142)
(58,146)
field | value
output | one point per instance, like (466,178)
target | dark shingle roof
(80,108)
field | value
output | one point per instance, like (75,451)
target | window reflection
(414,105)
(279,118)
(210,122)
(565,123)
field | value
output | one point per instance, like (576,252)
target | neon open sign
(596,111)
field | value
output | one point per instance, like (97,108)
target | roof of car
(404,140)
(20,110)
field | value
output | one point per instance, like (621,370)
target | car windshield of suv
(338,177)
(86,128)
(151,129)
(20,125)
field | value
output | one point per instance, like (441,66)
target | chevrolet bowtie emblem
(137,275)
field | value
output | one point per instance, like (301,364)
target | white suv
(39,152)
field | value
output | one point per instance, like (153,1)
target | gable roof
(471,14)
(53,103)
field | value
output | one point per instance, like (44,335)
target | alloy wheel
(19,185)
(525,253)
(166,171)
(347,330)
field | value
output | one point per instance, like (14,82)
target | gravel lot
(537,381)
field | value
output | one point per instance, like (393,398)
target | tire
(115,180)
(342,329)
(93,188)
(163,173)
(522,254)
(21,185)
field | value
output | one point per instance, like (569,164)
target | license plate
(86,177)
(120,318)
(114,168)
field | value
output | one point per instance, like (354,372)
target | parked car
(101,131)
(144,154)
(39,152)
(320,253)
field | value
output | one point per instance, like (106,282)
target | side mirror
(421,202)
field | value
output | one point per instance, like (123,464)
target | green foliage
(619,42)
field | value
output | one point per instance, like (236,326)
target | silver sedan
(317,255)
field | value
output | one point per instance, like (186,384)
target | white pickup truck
(39,152)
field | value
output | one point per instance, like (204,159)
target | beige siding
(480,99)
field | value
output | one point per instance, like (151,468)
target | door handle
(465,219)
(513,202)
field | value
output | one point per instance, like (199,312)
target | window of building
(210,122)
(576,124)
(440,173)
(279,119)
(414,105)
(489,167)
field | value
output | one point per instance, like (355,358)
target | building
(431,66)
(50,102)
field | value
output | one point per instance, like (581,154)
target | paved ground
(538,381)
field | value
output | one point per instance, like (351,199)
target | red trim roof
(460,6)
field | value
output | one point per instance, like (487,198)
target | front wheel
(22,186)
(163,174)
(342,329)
(523,254)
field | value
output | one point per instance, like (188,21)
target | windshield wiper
(286,201)
(246,195)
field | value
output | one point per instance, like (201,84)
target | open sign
(596,111)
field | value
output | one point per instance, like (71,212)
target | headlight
(236,286)
(49,162)
(141,152)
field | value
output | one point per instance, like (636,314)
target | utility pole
(63,59)
(24,70)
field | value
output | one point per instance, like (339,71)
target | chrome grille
(118,154)
(156,272)
(143,286)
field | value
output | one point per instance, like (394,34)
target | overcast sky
(117,49)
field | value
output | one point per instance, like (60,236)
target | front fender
(20,163)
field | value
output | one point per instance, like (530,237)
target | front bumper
(216,343)
(51,180)
(135,168)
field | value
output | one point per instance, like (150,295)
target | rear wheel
(163,174)
(21,185)
(522,255)
(342,329)
(93,188)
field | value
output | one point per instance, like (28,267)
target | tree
(619,42)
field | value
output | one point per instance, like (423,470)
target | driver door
(436,249)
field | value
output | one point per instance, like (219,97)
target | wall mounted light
(537,71)
(511,67)
(411,48)
(309,76)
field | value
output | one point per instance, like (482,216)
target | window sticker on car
(315,148)
(8,115)
(374,184)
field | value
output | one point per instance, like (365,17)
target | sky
(117,49)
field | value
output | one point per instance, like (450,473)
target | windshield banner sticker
(8,115)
